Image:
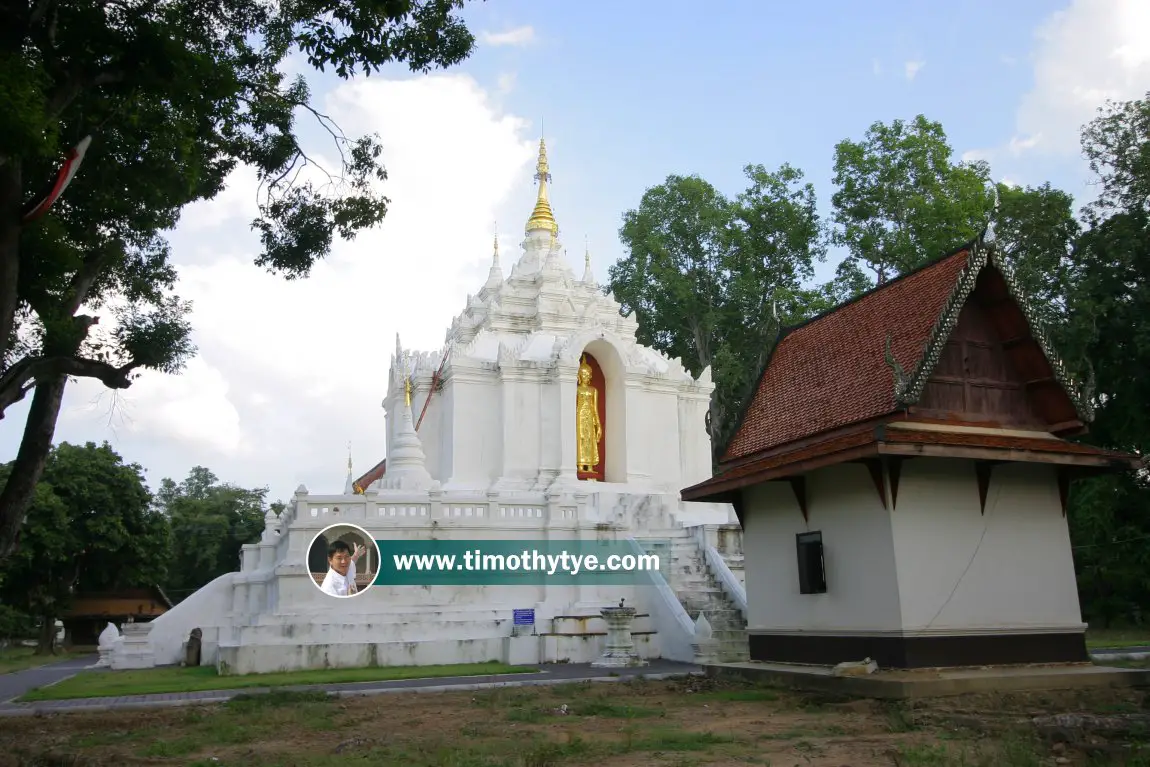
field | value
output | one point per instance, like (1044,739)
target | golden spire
(542,217)
(495,256)
(349,457)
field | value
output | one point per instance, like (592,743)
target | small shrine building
(901,473)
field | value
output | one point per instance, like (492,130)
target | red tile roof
(830,371)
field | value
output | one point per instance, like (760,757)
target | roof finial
(349,456)
(495,255)
(988,236)
(542,217)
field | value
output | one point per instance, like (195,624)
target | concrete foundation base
(936,683)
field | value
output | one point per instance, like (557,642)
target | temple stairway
(698,590)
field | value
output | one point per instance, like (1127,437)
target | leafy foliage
(175,96)
(706,274)
(91,527)
(210,523)
(901,201)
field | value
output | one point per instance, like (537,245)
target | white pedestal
(135,650)
(523,650)
(620,649)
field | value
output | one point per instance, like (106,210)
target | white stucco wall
(933,565)
(494,425)
(1011,567)
(862,587)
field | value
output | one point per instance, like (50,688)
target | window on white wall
(812,571)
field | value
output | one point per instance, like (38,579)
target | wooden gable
(992,369)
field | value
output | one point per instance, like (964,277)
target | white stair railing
(675,628)
(730,584)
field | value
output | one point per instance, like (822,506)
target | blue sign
(524,617)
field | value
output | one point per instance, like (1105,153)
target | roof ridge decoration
(908,388)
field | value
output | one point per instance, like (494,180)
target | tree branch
(19,379)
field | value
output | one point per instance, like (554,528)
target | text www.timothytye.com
(528,561)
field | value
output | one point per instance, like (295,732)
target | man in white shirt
(340,578)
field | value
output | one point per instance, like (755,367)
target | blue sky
(637,91)
(287,374)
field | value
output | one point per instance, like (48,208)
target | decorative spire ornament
(542,219)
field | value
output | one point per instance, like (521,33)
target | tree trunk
(46,645)
(10,199)
(29,465)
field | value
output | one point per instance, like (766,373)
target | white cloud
(524,35)
(912,68)
(288,372)
(1092,51)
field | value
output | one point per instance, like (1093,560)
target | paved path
(550,673)
(19,682)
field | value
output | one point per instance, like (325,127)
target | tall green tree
(902,200)
(210,523)
(1117,145)
(709,277)
(1110,515)
(1108,302)
(174,95)
(1036,230)
(91,527)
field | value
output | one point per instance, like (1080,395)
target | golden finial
(495,256)
(542,217)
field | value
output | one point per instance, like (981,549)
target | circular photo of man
(343,560)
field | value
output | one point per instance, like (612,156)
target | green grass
(98,684)
(1128,637)
(22,658)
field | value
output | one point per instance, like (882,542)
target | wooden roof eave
(1103,461)
(723,488)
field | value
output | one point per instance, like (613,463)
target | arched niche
(607,374)
(597,472)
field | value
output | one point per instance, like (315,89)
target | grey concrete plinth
(620,649)
(938,682)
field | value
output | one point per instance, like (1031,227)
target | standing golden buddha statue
(588,427)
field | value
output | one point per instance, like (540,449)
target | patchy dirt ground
(674,724)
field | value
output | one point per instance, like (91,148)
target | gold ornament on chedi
(588,427)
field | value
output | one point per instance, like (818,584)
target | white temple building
(502,451)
